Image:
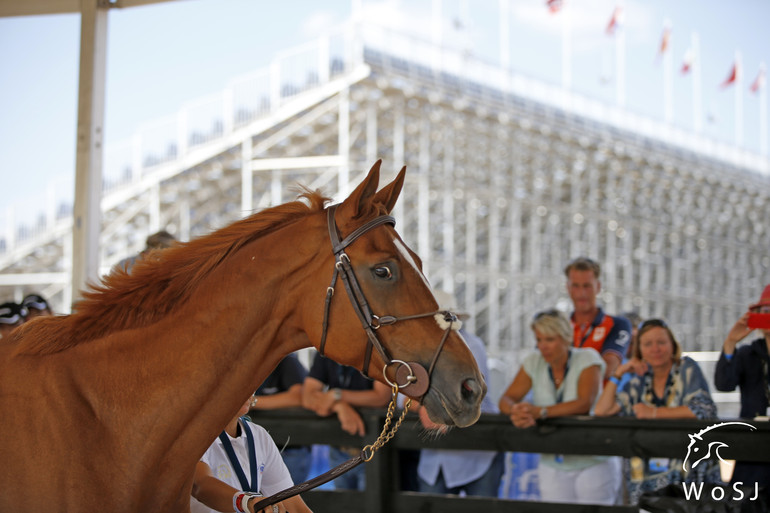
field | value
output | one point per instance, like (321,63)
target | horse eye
(383,272)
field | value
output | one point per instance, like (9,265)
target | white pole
(763,109)
(668,79)
(90,139)
(620,59)
(566,51)
(505,44)
(697,114)
(738,99)
(436,35)
(436,22)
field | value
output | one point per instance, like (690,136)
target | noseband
(407,374)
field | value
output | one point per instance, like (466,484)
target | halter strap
(407,373)
(343,268)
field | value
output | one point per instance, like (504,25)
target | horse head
(391,309)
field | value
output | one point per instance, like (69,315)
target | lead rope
(366,455)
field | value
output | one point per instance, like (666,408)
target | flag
(615,21)
(554,6)
(687,61)
(759,82)
(665,40)
(732,77)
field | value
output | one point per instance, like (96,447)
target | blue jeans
(354,479)
(485,486)
(297,460)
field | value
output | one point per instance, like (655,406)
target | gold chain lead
(387,433)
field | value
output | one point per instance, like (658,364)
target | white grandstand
(507,180)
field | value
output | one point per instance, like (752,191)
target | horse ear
(389,194)
(355,204)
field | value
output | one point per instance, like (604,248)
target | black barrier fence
(569,435)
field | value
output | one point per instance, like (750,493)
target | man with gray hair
(610,335)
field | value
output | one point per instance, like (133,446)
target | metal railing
(618,436)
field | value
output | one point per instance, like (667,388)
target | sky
(161,56)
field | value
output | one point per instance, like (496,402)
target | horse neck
(220,345)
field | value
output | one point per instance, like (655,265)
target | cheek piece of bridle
(410,378)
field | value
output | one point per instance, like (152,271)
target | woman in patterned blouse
(663,384)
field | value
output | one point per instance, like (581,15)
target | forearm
(576,407)
(607,405)
(506,404)
(214,493)
(364,398)
(673,412)
(612,362)
(288,399)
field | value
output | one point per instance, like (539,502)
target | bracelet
(249,496)
(615,379)
(241,501)
(238,501)
(655,412)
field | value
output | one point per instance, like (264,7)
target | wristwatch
(543,413)
(337,394)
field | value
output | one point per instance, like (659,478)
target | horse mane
(158,282)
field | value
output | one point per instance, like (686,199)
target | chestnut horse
(110,408)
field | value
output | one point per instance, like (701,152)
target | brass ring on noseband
(410,378)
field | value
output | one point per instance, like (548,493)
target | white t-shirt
(273,476)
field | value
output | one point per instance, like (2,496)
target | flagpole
(763,109)
(668,68)
(566,51)
(505,44)
(436,35)
(738,99)
(697,118)
(620,61)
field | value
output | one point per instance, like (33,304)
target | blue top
(460,467)
(746,369)
(288,373)
(336,375)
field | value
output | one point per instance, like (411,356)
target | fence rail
(570,435)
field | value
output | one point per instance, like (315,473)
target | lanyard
(223,437)
(588,334)
(560,390)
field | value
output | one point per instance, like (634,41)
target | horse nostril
(470,389)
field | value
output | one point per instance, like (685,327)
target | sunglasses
(552,312)
(660,323)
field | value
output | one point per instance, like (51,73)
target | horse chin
(442,410)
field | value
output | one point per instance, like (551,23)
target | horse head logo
(701,449)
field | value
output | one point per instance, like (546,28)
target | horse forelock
(158,282)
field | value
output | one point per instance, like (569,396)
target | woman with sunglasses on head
(663,384)
(564,380)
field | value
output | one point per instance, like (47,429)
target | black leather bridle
(407,374)
(410,378)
